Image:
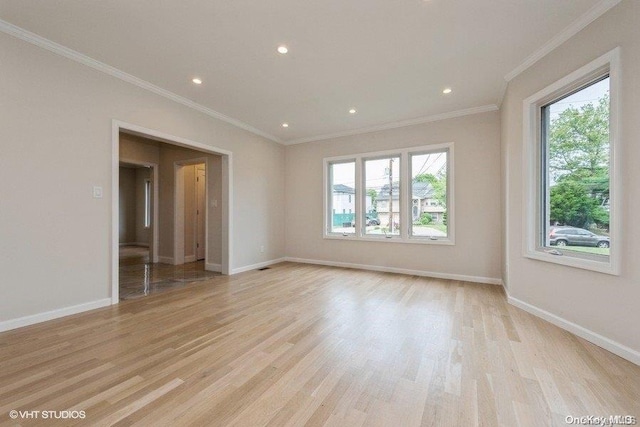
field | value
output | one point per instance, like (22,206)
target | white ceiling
(390,59)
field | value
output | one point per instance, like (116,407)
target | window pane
(147,203)
(429,194)
(576,170)
(382,202)
(342,179)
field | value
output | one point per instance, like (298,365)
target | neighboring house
(343,205)
(344,200)
(423,201)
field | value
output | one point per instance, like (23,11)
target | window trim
(532,165)
(404,200)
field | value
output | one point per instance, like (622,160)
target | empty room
(408,213)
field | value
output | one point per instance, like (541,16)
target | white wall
(603,304)
(477,199)
(56,115)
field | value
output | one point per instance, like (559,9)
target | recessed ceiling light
(283,49)
(353,111)
(285,125)
(447,90)
(197,81)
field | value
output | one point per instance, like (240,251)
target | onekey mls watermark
(47,415)
(608,420)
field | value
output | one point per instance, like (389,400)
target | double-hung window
(404,195)
(570,133)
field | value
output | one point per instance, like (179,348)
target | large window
(572,177)
(403,195)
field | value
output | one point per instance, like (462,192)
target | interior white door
(200,212)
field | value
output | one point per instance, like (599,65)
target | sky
(376,171)
(588,95)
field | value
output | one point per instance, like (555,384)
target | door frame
(179,215)
(118,126)
(155,180)
(196,215)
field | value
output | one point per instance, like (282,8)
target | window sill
(569,260)
(393,239)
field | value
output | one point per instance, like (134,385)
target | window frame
(535,182)
(404,199)
(148,191)
(328,193)
(442,148)
(361,216)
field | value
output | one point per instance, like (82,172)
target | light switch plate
(97,192)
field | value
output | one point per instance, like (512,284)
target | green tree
(425,219)
(579,142)
(572,205)
(374,198)
(579,164)
(439,185)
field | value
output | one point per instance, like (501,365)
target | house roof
(341,188)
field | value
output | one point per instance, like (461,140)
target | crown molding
(66,52)
(503,92)
(398,124)
(591,15)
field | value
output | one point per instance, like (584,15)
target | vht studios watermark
(47,415)
(609,420)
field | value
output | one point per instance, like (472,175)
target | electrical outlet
(262,248)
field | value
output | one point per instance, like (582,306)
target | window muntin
(429,194)
(341,197)
(382,196)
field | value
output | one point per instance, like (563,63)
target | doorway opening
(171,208)
(138,211)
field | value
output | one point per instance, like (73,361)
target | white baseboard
(53,314)
(258,265)
(190,258)
(462,277)
(165,260)
(212,267)
(614,347)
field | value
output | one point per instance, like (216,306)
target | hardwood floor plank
(309,345)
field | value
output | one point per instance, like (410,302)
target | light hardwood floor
(307,345)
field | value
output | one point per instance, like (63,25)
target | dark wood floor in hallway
(308,345)
(138,277)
